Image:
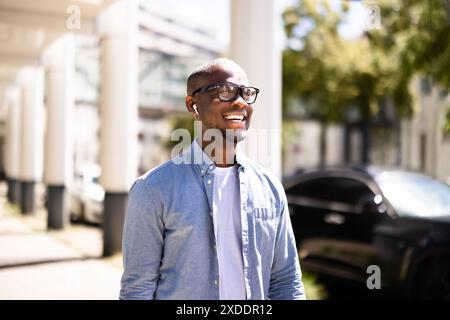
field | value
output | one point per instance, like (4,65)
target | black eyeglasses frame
(217,85)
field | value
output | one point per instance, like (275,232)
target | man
(218,228)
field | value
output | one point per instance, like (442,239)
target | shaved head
(205,70)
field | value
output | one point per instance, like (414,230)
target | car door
(334,233)
(310,210)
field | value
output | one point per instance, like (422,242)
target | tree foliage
(417,34)
(334,77)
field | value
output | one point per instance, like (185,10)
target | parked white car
(86,195)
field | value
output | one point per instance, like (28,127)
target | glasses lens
(249,94)
(227,92)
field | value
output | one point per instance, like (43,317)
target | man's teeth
(234,117)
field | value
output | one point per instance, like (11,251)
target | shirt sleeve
(286,278)
(142,245)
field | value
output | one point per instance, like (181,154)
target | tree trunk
(365,130)
(398,140)
(347,144)
(323,143)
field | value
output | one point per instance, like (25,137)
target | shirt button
(202,171)
(209,181)
(216,282)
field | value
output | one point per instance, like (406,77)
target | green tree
(417,33)
(333,78)
(330,78)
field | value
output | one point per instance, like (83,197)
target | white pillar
(12,142)
(31,79)
(255,45)
(59,62)
(119,115)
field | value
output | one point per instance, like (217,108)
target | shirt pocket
(263,225)
(265,213)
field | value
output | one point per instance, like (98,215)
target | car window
(415,195)
(336,189)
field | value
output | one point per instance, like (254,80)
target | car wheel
(433,279)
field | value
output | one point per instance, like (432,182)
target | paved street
(40,264)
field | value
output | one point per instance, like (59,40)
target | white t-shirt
(228,232)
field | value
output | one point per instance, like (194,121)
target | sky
(215,15)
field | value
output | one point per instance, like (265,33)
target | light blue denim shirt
(169,247)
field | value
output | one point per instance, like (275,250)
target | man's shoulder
(158,176)
(158,171)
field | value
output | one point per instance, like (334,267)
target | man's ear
(189,101)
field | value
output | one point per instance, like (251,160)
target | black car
(347,219)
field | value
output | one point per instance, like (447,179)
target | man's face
(221,115)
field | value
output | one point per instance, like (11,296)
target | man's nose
(240,102)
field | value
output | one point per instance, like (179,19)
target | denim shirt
(169,249)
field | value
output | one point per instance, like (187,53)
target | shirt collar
(203,162)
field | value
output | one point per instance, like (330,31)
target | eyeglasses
(228,92)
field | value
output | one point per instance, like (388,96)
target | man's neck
(222,157)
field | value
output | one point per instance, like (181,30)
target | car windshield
(415,195)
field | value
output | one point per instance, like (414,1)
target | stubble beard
(230,135)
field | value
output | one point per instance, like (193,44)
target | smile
(235,116)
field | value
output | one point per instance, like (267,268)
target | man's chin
(236,135)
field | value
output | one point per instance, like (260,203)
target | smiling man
(218,229)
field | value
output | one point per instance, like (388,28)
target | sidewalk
(40,264)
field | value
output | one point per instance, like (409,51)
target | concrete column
(119,115)
(59,67)
(31,79)
(256,45)
(12,143)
